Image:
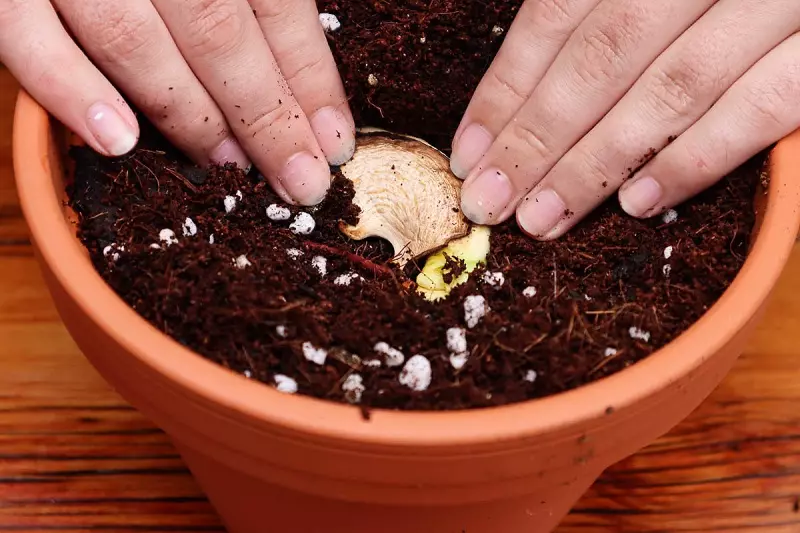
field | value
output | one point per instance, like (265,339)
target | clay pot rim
(299,416)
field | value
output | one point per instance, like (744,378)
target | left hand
(584,93)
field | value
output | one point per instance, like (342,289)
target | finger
(598,65)
(538,33)
(762,107)
(128,40)
(678,89)
(297,40)
(41,55)
(223,44)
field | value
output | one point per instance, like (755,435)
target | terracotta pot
(275,462)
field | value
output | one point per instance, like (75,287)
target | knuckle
(273,10)
(553,11)
(214,28)
(500,81)
(596,171)
(675,88)
(767,104)
(266,120)
(121,33)
(532,139)
(306,68)
(601,53)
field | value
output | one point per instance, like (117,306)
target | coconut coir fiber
(606,295)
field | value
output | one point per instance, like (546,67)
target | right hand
(224,80)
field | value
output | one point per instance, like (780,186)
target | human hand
(583,94)
(224,80)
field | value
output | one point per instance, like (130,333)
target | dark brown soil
(604,278)
(427,56)
(607,295)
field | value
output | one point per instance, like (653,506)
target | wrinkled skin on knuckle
(594,170)
(768,103)
(532,141)
(273,119)
(307,67)
(499,81)
(676,88)
(115,33)
(600,54)
(557,12)
(275,10)
(214,28)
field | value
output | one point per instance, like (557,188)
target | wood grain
(74,457)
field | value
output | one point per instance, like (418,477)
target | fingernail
(229,151)
(469,149)
(334,134)
(640,196)
(487,197)
(113,133)
(538,217)
(306,178)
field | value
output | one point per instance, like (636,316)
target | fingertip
(111,131)
(306,178)
(230,151)
(486,199)
(335,134)
(640,197)
(469,149)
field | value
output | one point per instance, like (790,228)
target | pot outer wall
(259,482)
(263,476)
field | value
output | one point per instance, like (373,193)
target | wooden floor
(74,457)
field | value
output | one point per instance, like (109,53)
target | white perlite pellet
(346,279)
(285,384)
(475,309)
(670,216)
(423,40)
(247,374)
(392,356)
(456,340)
(189,228)
(155,246)
(278,213)
(320,264)
(530,376)
(239,195)
(417,373)
(639,334)
(372,79)
(242,262)
(668,252)
(609,352)
(353,388)
(497,31)
(495,279)
(230,203)
(666,270)
(529,292)
(167,236)
(281,331)
(294,253)
(211,239)
(372,363)
(330,23)
(115,255)
(458,360)
(314,354)
(303,224)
